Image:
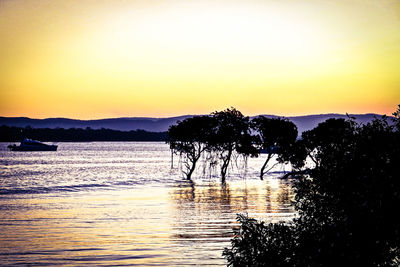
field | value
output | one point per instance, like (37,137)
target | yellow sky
(95,59)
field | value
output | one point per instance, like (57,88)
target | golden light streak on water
(120,216)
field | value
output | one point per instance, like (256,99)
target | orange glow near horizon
(97,59)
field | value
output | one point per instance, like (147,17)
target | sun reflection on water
(130,219)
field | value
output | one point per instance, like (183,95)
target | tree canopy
(347,205)
(190,138)
(223,134)
(274,137)
(231,133)
(327,135)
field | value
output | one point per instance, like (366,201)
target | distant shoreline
(108,141)
(16,134)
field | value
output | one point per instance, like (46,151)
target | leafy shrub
(347,206)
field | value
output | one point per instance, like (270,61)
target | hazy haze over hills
(158,124)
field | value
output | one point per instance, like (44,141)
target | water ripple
(121,204)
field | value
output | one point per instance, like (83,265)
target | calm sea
(121,203)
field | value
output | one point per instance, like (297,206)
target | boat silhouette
(32,145)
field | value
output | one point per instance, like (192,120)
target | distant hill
(121,124)
(157,124)
(309,122)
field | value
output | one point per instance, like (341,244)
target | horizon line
(192,115)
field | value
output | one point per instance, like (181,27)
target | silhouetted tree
(189,138)
(231,133)
(347,206)
(275,137)
(396,119)
(327,135)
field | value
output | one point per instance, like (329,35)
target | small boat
(32,145)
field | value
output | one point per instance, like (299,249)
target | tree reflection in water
(205,211)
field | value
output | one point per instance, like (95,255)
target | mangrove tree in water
(189,138)
(231,133)
(276,136)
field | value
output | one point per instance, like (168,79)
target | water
(120,203)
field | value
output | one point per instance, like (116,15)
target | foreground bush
(347,206)
(258,244)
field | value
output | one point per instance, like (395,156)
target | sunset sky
(97,59)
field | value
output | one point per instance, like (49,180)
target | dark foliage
(326,136)
(275,136)
(260,244)
(189,138)
(396,119)
(226,133)
(347,205)
(221,134)
(15,134)
(231,133)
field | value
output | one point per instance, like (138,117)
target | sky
(101,59)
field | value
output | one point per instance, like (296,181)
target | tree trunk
(225,165)
(172,158)
(189,174)
(194,161)
(264,165)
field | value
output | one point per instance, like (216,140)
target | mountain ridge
(303,122)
